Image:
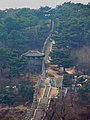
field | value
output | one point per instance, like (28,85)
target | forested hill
(20,30)
(23,29)
(72,35)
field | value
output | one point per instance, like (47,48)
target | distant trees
(26,90)
(71,33)
(4,59)
(18,94)
(61,58)
(12,61)
(83,56)
(20,30)
(24,29)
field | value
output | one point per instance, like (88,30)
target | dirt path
(53,73)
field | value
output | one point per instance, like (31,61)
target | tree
(17,64)
(61,58)
(26,90)
(4,59)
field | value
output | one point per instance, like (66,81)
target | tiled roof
(32,53)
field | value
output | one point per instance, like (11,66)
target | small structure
(35,60)
(34,54)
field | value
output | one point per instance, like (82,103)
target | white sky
(35,3)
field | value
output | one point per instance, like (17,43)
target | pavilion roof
(32,53)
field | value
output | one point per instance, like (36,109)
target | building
(35,60)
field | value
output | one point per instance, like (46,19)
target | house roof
(32,53)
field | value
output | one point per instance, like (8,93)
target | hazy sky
(35,3)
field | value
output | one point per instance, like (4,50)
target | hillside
(27,29)
(72,36)
(20,30)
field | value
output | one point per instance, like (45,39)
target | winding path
(45,89)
